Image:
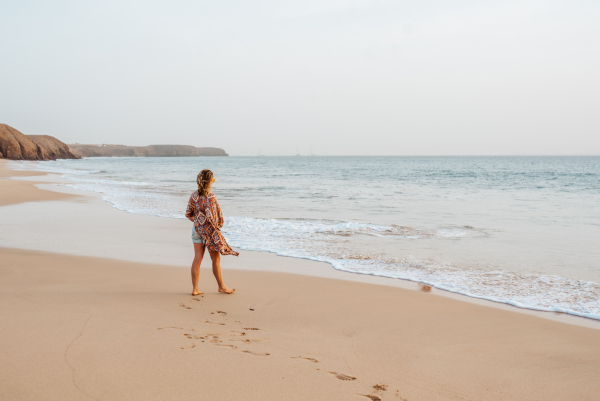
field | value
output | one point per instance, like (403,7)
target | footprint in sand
(215,340)
(226,345)
(378,388)
(164,328)
(183,306)
(239,333)
(370,396)
(220,324)
(303,357)
(342,376)
(196,337)
(248,341)
(191,346)
(250,328)
(257,354)
(220,312)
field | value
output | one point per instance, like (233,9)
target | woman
(204,211)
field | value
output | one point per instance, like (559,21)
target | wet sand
(87,327)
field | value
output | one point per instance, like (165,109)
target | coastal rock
(106,150)
(17,146)
(54,148)
(144,151)
(170,150)
(211,152)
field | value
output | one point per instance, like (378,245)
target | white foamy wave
(104,182)
(460,232)
(315,240)
(130,198)
(307,227)
(50,167)
(545,293)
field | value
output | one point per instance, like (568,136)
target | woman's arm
(190,212)
(220,220)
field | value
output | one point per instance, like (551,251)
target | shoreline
(94,325)
(177,230)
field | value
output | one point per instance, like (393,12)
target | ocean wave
(308,227)
(297,239)
(101,181)
(49,167)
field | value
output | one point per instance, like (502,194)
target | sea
(524,231)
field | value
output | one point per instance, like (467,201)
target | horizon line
(429,155)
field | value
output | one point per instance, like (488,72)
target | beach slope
(76,328)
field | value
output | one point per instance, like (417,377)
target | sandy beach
(96,305)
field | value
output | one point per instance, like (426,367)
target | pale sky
(349,77)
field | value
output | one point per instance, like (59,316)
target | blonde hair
(204,181)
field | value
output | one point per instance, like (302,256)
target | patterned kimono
(208,220)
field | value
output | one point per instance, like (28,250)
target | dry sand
(81,327)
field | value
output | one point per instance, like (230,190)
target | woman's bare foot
(226,290)
(196,292)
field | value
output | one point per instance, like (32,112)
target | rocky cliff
(144,151)
(17,146)
(211,152)
(53,147)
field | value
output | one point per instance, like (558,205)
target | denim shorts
(196,239)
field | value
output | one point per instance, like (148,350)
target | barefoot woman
(204,211)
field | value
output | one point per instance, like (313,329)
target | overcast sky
(349,77)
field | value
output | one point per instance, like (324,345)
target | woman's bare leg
(216,265)
(198,255)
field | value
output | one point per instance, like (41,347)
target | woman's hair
(204,181)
